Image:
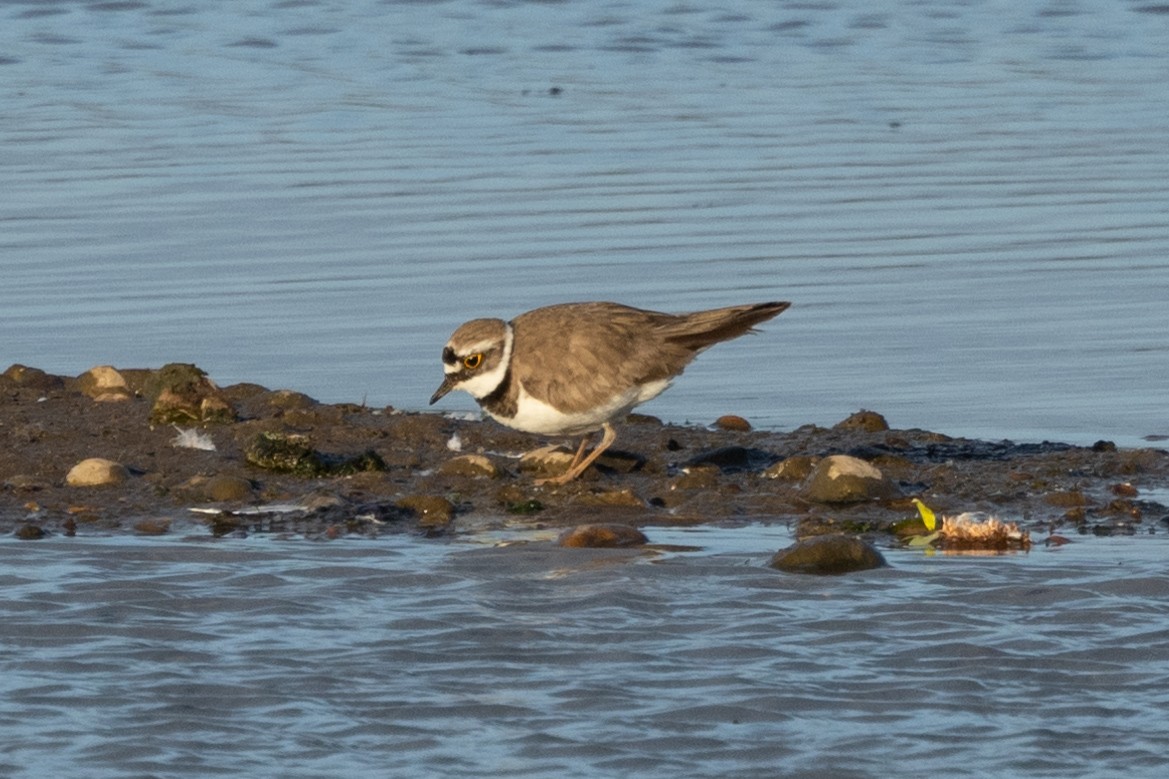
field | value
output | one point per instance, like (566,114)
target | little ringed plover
(572,369)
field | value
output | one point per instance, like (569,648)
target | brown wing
(579,355)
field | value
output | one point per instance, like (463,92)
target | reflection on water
(405,657)
(966,201)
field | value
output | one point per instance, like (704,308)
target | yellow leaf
(927,516)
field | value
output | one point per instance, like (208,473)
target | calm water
(401,657)
(968,201)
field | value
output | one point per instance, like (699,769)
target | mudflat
(168,451)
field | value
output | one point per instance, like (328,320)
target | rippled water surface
(967,201)
(401,657)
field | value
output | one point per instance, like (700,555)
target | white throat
(483,384)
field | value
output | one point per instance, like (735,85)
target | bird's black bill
(447,385)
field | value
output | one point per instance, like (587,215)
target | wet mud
(348,469)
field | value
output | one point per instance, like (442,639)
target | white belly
(536,416)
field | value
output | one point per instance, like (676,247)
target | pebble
(621,497)
(828,555)
(867,421)
(226,488)
(183,395)
(733,422)
(548,460)
(96,472)
(794,468)
(602,536)
(841,478)
(432,510)
(469,465)
(104,384)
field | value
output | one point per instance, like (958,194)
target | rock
(697,477)
(33,378)
(152,527)
(844,479)
(288,400)
(431,510)
(225,488)
(469,466)
(103,383)
(30,532)
(293,453)
(1065,499)
(623,497)
(602,536)
(733,423)
(23,482)
(828,554)
(794,468)
(867,421)
(183,395)
(96,472)
(729,457)
(550,460)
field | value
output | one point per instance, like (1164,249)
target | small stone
(183,395)
(33,378)
(548,460)
(794,468)
(866,421)
(225,488)
(288,400)
(30,532)
(697,477)
(602,536)
(431,510)
(624,497)
(726,457)
(1065,499)
(733,423)
(841,478)
(96,472)
(152,527)
(22,482)
(103,383)
(828,554)
(469,466)
(294,453)
(1124,490)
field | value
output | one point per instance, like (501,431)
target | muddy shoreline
(342,469)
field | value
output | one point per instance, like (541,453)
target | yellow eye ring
(472,361)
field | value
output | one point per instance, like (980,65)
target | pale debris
(193,439)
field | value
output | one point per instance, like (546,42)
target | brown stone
(828,554)
(602,536)
(103,383)
(794,468)
(866,421)
(733,423)
(226,488)
(469,466)
(430,509)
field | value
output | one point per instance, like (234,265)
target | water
(401,657)
(967,201)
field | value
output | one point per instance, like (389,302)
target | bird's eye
(472,361)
